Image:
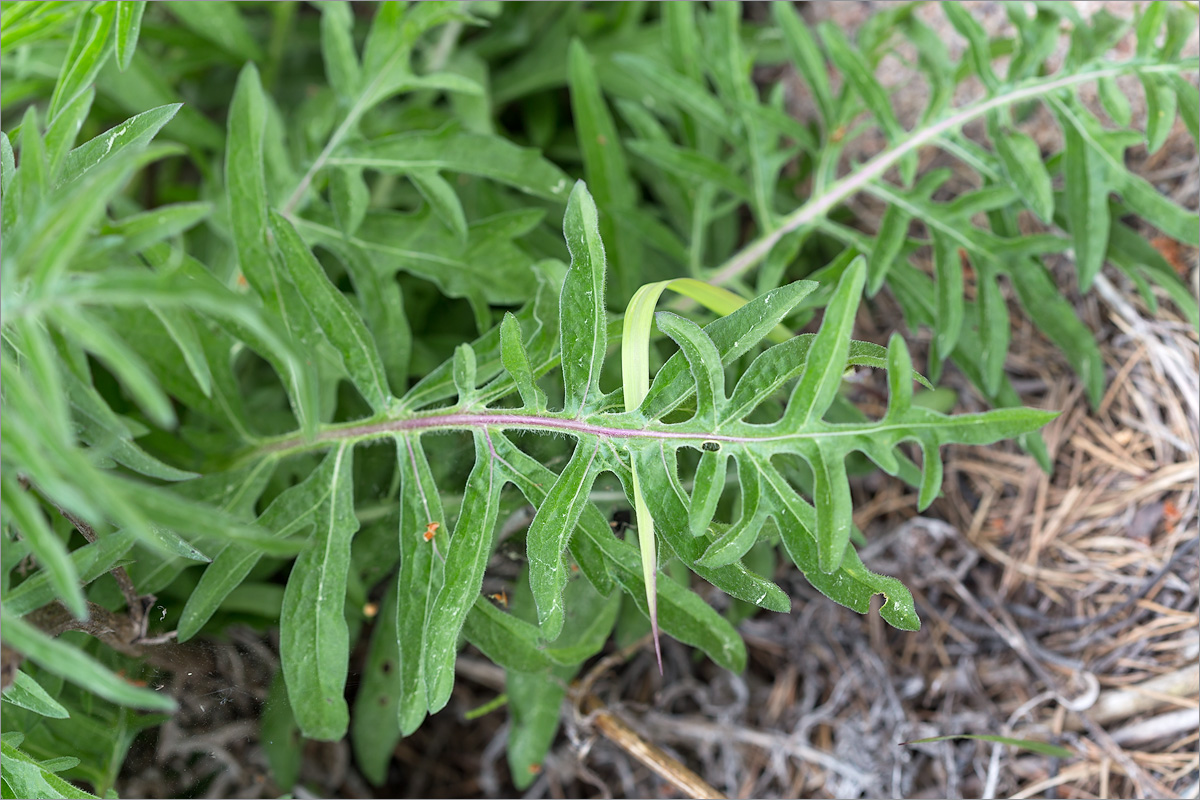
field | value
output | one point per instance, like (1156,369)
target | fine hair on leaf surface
(315,309)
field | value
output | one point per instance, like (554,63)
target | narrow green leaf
(583,321)
(348,197)
(807,59)
(737,540)
(683,614)
(129,26)
(1149,24)
(1134,255)
(551,527)
(293,511)
(1056,317)
(27,23)
(61,134)
(691,165)
(900,378)
(395,30)
(733,335)
(516,361)
(89,49)
(590,620)
(442,198)
(26,693)
(671,89)
(916,293)
(248,213)
(470,548)
(949,286)
(853,66)
(667,505)
(782,362)
(1188,100)
(681,37)
(337,50)
(827,356)
(831,496)
(91,561)
(934,59)
(535,704)
(221,23)
(104,343)
(41,364)
(707,486)
(54,238)
(459,151)
(314,642)
(509,642)
(977,43)
(281,740)
(183,333)
(67,661)
(853,585)
(464,374)
(33,179)
(1161,212)
(422,547)
(704,361)
(1086,189)
(150,227)
(24,777)
(648,550)
(45,545)
(339,322)
(131,134)
(995,328)
(608,177)
(931,475)
(1023,163)
(1160,110)
(1115,103)
(383,309)
(889,241)
(1031,745)
(374,723)
(246,187)
(8,171)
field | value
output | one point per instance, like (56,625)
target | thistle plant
(320,357)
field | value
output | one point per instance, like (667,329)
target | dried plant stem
(592,712)
(662,763)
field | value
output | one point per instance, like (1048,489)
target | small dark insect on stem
(711,446)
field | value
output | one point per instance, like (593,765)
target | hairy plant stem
(824,202)
(458,420)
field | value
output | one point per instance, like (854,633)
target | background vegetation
(241,239)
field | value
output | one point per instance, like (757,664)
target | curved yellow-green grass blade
(635,374)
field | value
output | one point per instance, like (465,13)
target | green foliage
(388,242)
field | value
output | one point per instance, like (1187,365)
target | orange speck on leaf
(534,769)
(500,597)
(370,610)
(968,271)
(1172,253)
(431,530)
